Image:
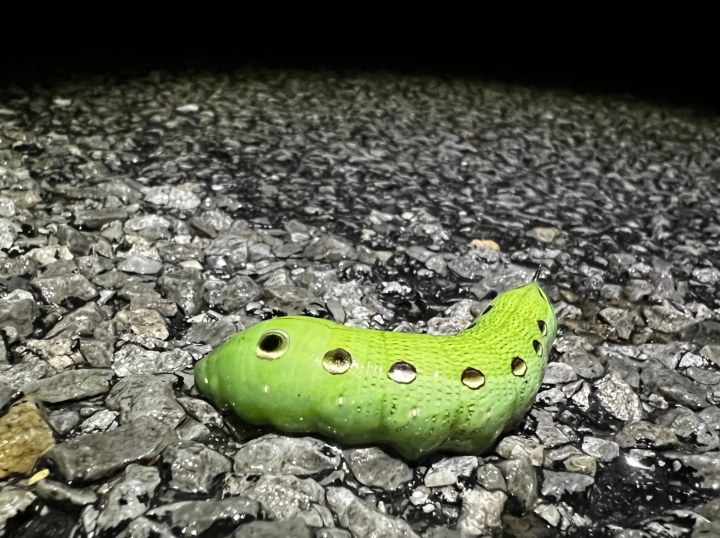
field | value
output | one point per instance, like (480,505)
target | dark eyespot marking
(537,345)
(518,367)
(472,378)
(402,372)
(337,361)
(543,327)
(272,345)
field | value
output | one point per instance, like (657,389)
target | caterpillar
(416,393)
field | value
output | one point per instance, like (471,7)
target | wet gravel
(144,220)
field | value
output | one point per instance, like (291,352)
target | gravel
(144,220)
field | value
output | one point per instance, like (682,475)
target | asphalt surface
(167,211)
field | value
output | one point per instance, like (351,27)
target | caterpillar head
(259,367)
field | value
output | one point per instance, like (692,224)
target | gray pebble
(515,447)
(581,464)
(192,518)
(549,513)
(70,385)
(447,471)
(288,497)
(144,322)
(286,455)
(437,264)
(295,528)
(711,417)
(213,334)
(711,353)
(623,321)
(558,372)
(374,468)
(7,395)
(521,480)
(668,355)
(639,433)
(132,360)
(666,319)
(97,353)
(91,266)
(18,375)
(102,421)
(63,421)
(468,266)
(233,294)
(551,396)
(140,264)
(56,289)
(13,501)
(501,281)
(481,511)
(18,309)
(362,520)
(618,398)
(96,218)
(330,248)
(637,290)
(94,456)
(549,433)
(192,430)
(583,363)
(173,197)
(193,466)
(601,449)
(290,299)
(58,492)
(130,497)
(185,288)
(442,532)
(82,322)
(202,411)
(707,466)
(490,477)
(704,376)
(139,396)
(626,367)
(153,301)
(418,253)
(673,386)
(8,233)
(76,241)
(175,253)
(562,453)
(143,527)
(317,280)
(7,207)
(150,227)
(228,248)
(556,484)
(611,292)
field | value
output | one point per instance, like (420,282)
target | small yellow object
(484,243)
(40,475)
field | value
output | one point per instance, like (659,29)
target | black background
(675,63)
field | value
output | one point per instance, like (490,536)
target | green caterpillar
(415,392)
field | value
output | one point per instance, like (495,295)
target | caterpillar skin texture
(415,392)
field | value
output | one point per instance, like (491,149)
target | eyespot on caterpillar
(416,393)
